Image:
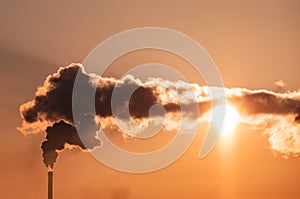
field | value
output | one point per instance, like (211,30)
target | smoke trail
(277,114)
(53,100)
(52,105)
(62,133)
(51,109)
(266,102)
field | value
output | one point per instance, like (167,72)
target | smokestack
(50,184)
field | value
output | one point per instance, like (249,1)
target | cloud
(280,84)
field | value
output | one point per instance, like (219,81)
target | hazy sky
(253,43)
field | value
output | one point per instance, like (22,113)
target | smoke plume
(51,109)
(61,134)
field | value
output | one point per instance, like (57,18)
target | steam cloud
(51,109)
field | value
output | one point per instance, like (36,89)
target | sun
(231,119)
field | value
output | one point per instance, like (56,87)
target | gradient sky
(254,44)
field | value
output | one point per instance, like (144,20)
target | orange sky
(253,43)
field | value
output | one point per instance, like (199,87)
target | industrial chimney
(50,184)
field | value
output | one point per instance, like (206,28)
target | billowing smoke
(61,134)
(50,146)
(51,109)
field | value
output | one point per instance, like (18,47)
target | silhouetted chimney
(50,184)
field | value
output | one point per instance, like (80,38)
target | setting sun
(231,119)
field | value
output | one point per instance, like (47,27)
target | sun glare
(231,119)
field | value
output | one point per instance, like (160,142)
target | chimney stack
(50,184)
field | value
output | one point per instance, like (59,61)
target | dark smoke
(53,100)
(53,103)
(62,133)
(52,106)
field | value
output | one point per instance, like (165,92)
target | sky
(254,44)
